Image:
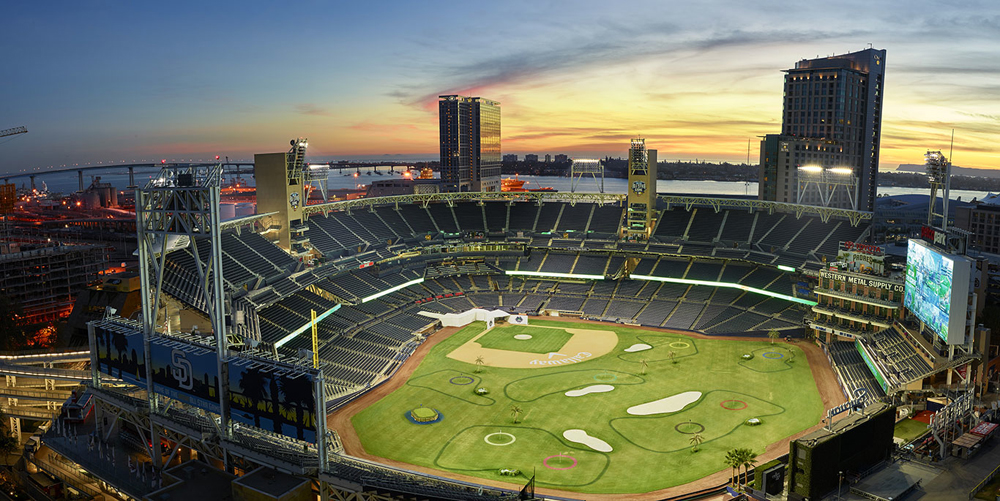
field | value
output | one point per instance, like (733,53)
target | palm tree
(671,355)
(732,461)
(298,395)
(696,440)
(253,391)
(479,364)
(120,343)
(748,458)
(773,334)
(644,365)
(515,412)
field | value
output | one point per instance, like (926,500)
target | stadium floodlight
(728,285)
(811,168)
(844,171)
(392,289)
(308,324)
(554,275)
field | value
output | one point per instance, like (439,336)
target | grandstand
(377,267)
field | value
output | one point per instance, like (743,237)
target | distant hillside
(955,170)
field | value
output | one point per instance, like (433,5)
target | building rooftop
(194,480)
(270,481)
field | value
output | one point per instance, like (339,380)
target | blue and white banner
(489,323)
(518,319)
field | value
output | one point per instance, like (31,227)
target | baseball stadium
(471,345)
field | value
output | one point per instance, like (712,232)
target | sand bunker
(638,347)
(581,437)
(597,388)
(664,405)
(523,337)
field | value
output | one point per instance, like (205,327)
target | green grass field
(477,435)
(542,340)
(909,429)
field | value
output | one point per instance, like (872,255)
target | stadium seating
(852,370)
(366,340)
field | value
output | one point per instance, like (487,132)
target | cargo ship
(516,185)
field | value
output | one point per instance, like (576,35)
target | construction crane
(13,132)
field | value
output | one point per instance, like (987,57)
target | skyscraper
(470,143)
(831,125)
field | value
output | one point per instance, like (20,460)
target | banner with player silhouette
(185,371)
(273,396)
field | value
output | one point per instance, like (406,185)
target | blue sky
(109,81)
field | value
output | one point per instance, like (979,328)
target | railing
(29,412)
(856,298)
(29,355)
(9,369)
(69,475)
(115,473)
(989,478)
(32,394)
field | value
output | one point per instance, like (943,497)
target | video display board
(937,287)
(274,397)
(120,354)
(186,372)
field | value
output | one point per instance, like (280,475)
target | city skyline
(129,82)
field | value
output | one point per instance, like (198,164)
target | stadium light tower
(825,183)
(581,167)
(939,176)
(641,209)
(180,208)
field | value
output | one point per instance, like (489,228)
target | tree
(748,458)
(671,355)
(298,394)
(120,343)
(479,364)
(773,334)
(644,365)
(515,412)
(253,391)
(9,444)
(732,460)
(696,440)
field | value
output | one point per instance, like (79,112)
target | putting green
(479,436)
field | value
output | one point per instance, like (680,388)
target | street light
(840,478)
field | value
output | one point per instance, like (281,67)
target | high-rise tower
(470,143)
(832,121)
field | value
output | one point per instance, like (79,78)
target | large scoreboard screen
(937,288)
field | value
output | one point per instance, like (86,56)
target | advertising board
(274,397)
(186,372)
(120,354)
(871,365)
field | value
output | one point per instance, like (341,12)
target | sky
(109,81)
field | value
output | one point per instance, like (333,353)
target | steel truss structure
(582,167)
(181,205)
(423,200)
